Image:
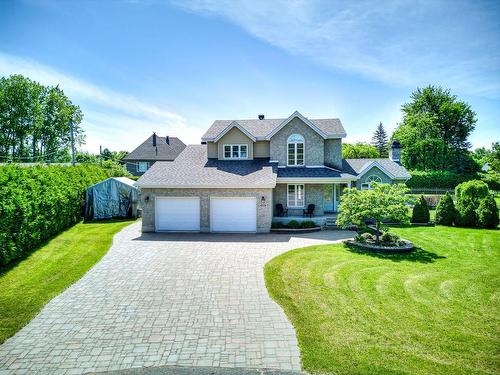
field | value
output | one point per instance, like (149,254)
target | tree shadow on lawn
(418,255)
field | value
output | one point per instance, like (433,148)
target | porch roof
(314,174)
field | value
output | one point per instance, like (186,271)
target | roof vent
(167,139)
(261,117)
(154,139)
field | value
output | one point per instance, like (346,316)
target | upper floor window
(235,151)
(295,146)
(369,180)
(142,166)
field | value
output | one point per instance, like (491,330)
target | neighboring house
(243,168)
(153,149)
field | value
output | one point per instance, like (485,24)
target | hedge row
(438,179)
(38,202)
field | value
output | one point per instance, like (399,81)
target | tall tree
(434,131)
(358,150)
(35,121)
(379,140)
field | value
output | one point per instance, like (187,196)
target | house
(153,149)
(233,181)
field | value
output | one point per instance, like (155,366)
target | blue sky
(175,66)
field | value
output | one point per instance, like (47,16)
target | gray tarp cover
(114,197)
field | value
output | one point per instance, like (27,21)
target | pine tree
(379,140)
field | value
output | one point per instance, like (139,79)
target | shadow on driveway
(325,235)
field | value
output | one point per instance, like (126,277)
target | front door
(328,205)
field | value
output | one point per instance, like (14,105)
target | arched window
(295,147)
(367,185)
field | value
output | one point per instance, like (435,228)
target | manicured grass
(28,285)
(434,311)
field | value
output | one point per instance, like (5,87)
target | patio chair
(309,211)
(280,211)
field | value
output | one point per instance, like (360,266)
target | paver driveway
(166,299)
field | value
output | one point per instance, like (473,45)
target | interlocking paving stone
(166,299)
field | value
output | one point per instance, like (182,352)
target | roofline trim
(234,124)
(372,164)
(159,186)
(290,118)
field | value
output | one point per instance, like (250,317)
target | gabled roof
(361,166)
(192,169)
(264,129)
(162,150)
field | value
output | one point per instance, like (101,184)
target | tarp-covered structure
(113,197)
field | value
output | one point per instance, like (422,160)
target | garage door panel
(178,214)
(233,214)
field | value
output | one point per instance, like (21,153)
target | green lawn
(434,311)
(28,285)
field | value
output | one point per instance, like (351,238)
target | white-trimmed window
(295,196)
(367,185)
(142,166)
(235,151)
(295,150)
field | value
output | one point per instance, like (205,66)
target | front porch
(320,220)
(291,199)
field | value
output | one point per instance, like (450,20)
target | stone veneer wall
(264,212)
(314,143)
(333,153)
(314,194)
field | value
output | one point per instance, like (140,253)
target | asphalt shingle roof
(193,169)
(312,173)
(261,128)
(162,151)
(355,166)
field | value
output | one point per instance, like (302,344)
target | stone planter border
(292,231)
(383,249)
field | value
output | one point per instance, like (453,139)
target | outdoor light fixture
(263,200)
(146,198)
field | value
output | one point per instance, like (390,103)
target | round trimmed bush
(420,211)
(466,214)
(445,210)
(293,224)
(307,224)
(487,213)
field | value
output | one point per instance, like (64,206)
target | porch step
(331,223)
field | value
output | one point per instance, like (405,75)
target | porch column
(334,197)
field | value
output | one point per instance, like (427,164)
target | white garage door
(178,213)
(233,214)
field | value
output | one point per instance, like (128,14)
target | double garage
(224,214)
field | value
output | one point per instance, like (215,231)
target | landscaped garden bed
(295,227)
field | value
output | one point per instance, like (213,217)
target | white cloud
(404,43)
(111,119)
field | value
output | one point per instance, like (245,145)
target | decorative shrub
(487,213)
(366,237)
(469,195)
(38,202)
(390,238)
(438,179)
(420,211)
(307,224)
(277,224)
(293,224)
(466,214)
(474,191)
(445,210)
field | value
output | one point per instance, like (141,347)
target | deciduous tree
(434,131)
